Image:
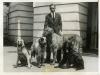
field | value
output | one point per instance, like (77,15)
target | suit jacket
(56,24)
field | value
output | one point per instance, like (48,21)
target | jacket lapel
(55,17)
(51,18)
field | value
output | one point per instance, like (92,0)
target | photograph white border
(39,73)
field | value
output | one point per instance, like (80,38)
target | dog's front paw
(79,68)
(29,66)
(39,66)
(15,66)
(53,63)
(42,65)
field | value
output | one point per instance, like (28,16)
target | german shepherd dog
(38,49)
(23,55)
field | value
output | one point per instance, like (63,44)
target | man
(52,20)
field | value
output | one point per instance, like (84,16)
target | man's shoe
(47,61)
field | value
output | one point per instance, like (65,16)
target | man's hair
(52,5)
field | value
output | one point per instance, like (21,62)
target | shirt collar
(52,14)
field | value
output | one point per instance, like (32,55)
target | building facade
(76,19)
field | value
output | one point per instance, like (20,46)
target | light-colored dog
(23,55)
(38,49)
(57,42)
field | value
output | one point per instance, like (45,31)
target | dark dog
(74,50)
(38,48)
(24,55)
(72,56)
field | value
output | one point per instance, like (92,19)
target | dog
(23,55)
(71,54)
(56,43)
(38,49)
(74,51)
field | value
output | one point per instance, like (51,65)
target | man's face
(52,8)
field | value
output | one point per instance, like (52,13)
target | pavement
(90,62)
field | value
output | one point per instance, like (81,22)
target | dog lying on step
(38,49)
(23,55)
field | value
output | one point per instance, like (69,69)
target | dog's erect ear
(41,40)
(23,43)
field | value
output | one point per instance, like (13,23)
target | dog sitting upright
(24,56)
(38,48)
(72,56)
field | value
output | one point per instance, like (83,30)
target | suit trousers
(48,49)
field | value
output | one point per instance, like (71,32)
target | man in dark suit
(52,20)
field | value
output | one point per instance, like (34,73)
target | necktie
(53,17)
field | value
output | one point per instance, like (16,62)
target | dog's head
(48,31)
(20,43)
(42,41)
